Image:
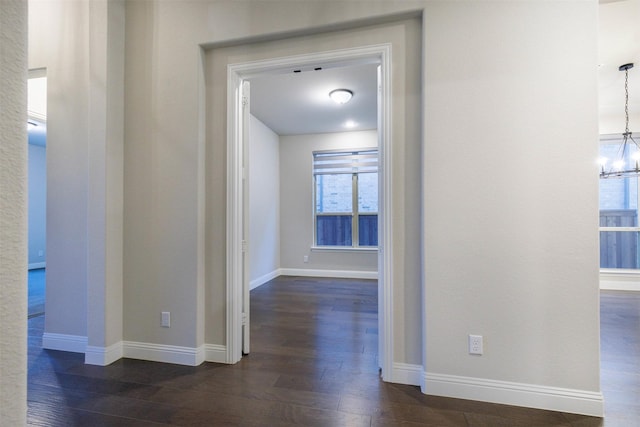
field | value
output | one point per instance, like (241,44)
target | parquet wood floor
(313,363)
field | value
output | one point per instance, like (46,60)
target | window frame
(355,213)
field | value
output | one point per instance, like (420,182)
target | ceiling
(298,102)
(619,43)
(37,108)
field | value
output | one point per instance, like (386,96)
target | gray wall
(37,205)
(281,204)
(492,191)
(81,46)
(510,194)
(296,217)
(64,55)
(264,202)
(13,213)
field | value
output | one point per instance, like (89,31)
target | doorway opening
(238,168)
(37,192)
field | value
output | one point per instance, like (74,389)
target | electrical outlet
(166,319)
(475,344)
(305,258)
(40,252)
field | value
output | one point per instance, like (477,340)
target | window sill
(341,249)
(619,272)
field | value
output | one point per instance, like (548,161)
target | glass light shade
(341,96)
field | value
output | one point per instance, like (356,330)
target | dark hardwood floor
(313,363)
(620,357)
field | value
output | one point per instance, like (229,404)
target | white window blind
(347,162)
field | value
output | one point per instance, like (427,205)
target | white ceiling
(619,43)
(298,102)
(37,108)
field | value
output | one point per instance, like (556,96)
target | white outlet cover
(166,319)
(475,344)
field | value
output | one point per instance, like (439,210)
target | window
(346,198)
(619,230)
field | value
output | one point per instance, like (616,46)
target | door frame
(236,173)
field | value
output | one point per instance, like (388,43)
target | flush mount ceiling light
(341,96)
(626,164)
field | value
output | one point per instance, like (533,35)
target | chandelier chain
(626,99)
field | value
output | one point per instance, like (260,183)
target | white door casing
(237,202)
(246,138)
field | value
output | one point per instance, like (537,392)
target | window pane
(368,192)
(334,193)
(619,249)
(618,193)
(368,230)
(333,230)
(618,218)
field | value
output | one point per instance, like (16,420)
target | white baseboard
(64,342)
(342,274)
(518,394)
(263,279)
(163,353)
(175,354)
(215,353)
(621,280)
(36,265)
(404,373)
(607,285)
(339,274)
(103,356)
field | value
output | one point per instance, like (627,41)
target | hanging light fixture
(341,96)
(620,168)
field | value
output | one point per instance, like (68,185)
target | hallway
(313,363)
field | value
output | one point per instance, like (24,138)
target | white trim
(620,280)
(64,342)
(201,355)
(405,373)
(236,73)
(103,356)
(189,356)
(385,212)
(264,279)
(341,274)
(235,173)
(363,249)
(616,285)
(215,353)
(36,265)
(518,394)
(631,229)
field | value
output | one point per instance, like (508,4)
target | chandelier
(627,162)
